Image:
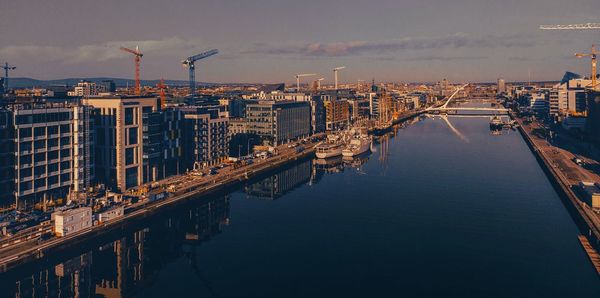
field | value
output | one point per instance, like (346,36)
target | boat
(331,148)
(359,144)
(496,123)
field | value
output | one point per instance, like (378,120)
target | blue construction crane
(6,68)
(189,63)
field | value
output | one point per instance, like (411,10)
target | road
(568,173)
(188,186)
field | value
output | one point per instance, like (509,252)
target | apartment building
(125,139)
(206,137)
(52,151)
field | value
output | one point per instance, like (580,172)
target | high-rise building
(52,147)
(172,129)
(124,125)
(501,87)
(206,137)
(7,159)
(278,122)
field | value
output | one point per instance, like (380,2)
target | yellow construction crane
(593,54)
(586,26)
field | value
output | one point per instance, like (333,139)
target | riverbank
(195,189)
(20,255)
(539,148)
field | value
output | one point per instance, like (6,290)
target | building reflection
(125,266)
(122,267)
(282,182)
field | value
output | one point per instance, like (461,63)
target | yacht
(358,145)
(331,148)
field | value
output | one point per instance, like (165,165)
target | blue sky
(270,41)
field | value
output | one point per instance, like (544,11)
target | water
(437,210)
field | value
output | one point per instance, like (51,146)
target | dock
(591,252)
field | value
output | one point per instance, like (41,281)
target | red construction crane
(137,57)
(163,98)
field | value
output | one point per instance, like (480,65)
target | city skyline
(271,41)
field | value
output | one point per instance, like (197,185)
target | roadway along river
(433,212)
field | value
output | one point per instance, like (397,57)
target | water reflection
(281,183)
(123,266)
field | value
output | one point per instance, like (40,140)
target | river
(440,208)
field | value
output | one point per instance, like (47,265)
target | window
(65,128)
(24,132)
(39,131)
(25,146)
(129,156)
(131,177)
(128,116)
(40,144)
(53,155)
(24,173)
(65,153)
(132,136)
(52,130)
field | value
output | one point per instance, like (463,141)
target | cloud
(354,48)
(102,52)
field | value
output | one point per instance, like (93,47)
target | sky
(269,41)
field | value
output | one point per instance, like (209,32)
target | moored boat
(358,145)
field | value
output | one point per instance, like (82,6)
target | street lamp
(239,150)
(248,147)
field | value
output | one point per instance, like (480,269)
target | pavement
(567,171)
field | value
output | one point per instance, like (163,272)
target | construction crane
(298,76)
(137,56)
(335,75)
(592,54)
(586,26)
(319,83)
(189,62)
(6,68)
(163,98)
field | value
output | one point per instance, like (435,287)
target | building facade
(337,113)
(52,147)
(278,122)
(206,137)
(122,132)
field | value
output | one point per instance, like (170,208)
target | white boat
(358,145)
(331,148)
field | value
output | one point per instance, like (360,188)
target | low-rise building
(111,213)
(72,221)
(591,193)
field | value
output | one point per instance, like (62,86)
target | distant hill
(29,82)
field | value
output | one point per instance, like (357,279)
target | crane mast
(6,68)
(137,55)
(593,55)
(189,62)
